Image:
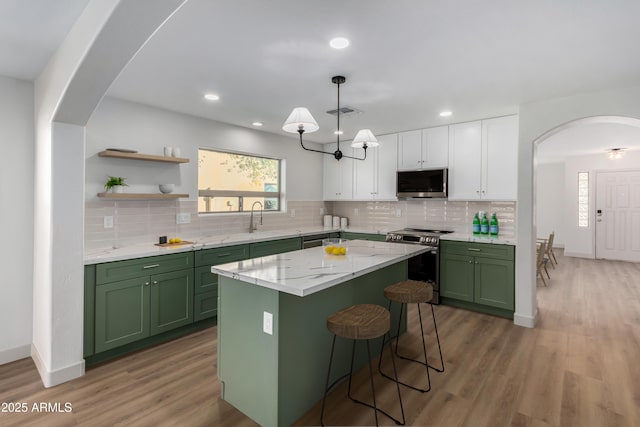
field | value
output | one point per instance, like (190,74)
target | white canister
(168,151)
(327,221)
(336,222)
(344,222)
(175,152)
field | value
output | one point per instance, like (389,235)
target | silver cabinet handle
(477,262)
(151,266)
(146,283)
(155,282)
(474,249)
(470,262)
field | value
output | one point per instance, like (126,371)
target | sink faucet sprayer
(252,226)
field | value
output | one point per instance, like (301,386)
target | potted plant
(116,184)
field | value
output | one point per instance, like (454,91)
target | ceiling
(408,60)
(31,31)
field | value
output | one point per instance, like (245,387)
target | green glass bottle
(476,224)
(493,225)
(484,225)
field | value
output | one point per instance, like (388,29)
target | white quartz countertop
(307,271)
(468,237)
(146,249)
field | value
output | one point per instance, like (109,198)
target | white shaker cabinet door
(465,159)
(375,177)
(387,153)
(500,158)
(410,150)
(435,147)
(338,179)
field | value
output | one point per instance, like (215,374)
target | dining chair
(541,262)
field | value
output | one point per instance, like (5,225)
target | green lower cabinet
(494,283)
(133,309)
(122,313)
(478,276)
(205,305)
(171,301)
(205,280)
(457,277)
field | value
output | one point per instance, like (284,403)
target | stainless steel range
(426,266)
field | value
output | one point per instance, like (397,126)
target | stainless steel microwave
(430,183)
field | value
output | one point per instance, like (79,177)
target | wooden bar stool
(361,322)
(408,292)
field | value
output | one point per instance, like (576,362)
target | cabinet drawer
(487,250)
(363,236)
(205,305)
(121,270)
(215,256)
(274,247)
(205,280)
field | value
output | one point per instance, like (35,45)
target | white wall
(16,210)
(121,124)
(550,201)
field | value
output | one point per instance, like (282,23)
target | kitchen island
(273,344)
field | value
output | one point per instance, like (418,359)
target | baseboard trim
(579,255)
(525,321)
(54,378)
(13,354)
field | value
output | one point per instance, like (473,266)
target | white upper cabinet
(483,158)
(465,154)
(338,175)
(375,177)
(500,158)
(423,149)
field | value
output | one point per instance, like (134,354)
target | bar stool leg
(424,350)
(435,327)
(326,387)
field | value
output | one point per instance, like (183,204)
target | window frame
(241,194)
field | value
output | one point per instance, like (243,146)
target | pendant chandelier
(615,153)
(300,120)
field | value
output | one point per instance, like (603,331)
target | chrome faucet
(252,226)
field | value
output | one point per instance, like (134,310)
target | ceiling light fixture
(615,153)
(211,97)
(257,123)
(445,113)
(300,120)
(339,42)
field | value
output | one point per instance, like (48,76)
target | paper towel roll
(327,221)
(336,222)
(344,222)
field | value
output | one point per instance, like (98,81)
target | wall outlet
(292,212)
(108,222)
(267,323)
(183,218)
(398,213)
(356,211)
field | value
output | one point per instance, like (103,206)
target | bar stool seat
(413,292)
(361,322)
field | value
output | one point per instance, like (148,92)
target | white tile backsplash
(144,221)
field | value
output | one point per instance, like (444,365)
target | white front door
(618,215)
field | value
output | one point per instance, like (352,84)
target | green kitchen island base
(275,379)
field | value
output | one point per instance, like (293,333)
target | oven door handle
(474,249)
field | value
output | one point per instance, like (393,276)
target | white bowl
(166,188)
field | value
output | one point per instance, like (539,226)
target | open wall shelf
(138,156)
(142,196)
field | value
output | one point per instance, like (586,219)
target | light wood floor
(578,367)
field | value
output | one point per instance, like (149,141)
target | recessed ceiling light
(257,123)
(211,97)
(338,132)
(339,42)
(445,113)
